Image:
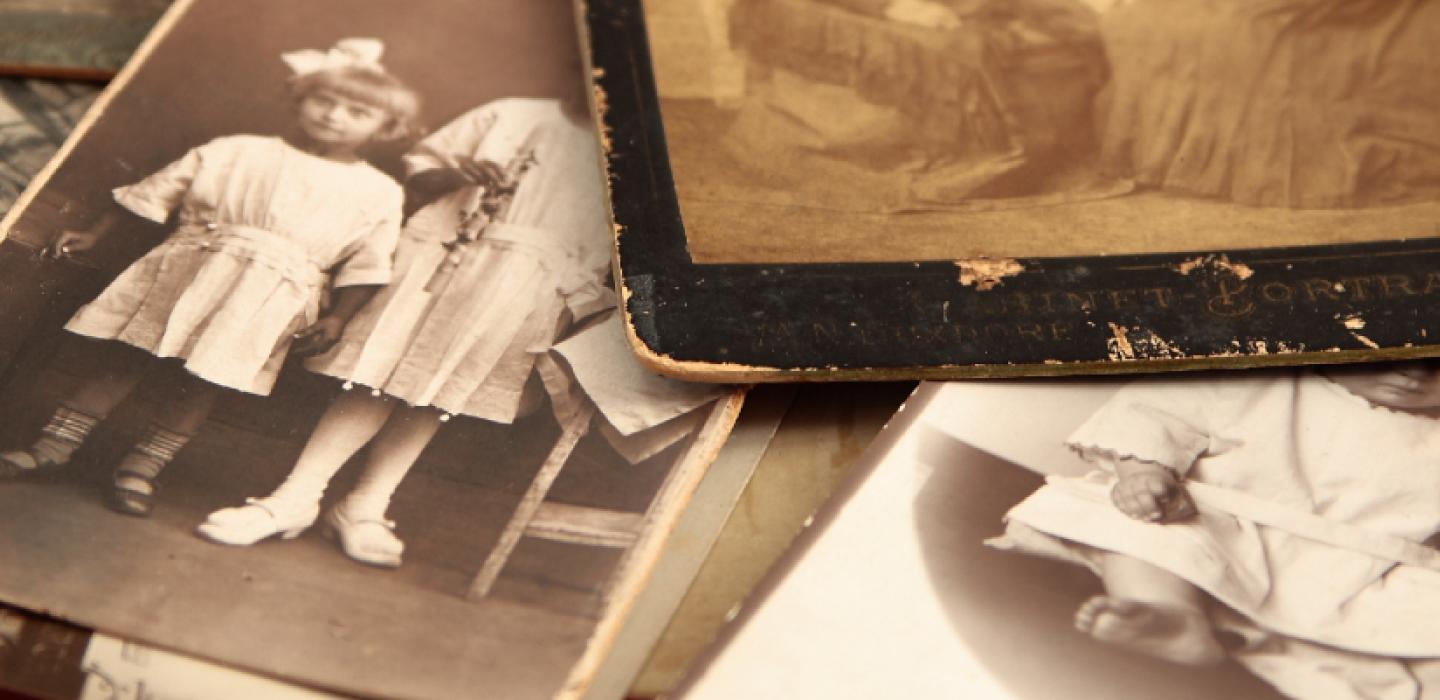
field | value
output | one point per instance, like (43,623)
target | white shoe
(366,540)
(258,519)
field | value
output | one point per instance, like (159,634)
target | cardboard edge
(638,566)
(689,547)
(730,373)
(904,419)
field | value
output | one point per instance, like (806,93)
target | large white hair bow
(355,52)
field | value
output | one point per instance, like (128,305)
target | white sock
(395,451)
(350,422)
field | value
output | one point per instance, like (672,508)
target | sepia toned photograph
(957,189)
(311,364)
(1258,536)
(812,131)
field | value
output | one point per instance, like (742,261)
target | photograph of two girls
(271,338)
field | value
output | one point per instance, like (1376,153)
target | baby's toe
(1089,612)
(1137,508)
(1122,608)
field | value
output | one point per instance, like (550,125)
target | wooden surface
(296,609)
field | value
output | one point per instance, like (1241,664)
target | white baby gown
(1308,495)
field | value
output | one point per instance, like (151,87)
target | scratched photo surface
(805,131)
(468,612)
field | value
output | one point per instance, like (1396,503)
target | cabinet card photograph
(963,149)
(311,365)
(1242,535)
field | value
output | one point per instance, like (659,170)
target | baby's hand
(1152,494)
(318,337)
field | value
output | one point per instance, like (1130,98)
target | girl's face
(1409,386)
(337,122)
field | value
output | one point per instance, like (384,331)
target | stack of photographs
(352,349)
(870,189)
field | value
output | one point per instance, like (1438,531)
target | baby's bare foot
(1177,634)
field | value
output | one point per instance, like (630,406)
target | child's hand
(319,337)
(485,173)
(71,242)
(1152,494)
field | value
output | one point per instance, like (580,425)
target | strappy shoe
(366,540)
(258,519)
(133,493)
(59,439)
(134,487)
(22,463)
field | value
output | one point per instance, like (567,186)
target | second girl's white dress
(263,227)
(469,345)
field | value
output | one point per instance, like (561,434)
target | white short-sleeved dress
(263,226)
(470,345)
(1300,484)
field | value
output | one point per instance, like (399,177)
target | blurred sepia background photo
(883,130)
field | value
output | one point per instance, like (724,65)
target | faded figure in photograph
(914,104)
(510,245)
(265,225)
(1301,104)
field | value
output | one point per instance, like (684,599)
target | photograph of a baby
(1247,535)
(1279,520)
(342,248)
(1037,128)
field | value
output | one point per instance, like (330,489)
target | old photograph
(1256,535)
(311,364)
(73,39)
(806,131)
(42,657)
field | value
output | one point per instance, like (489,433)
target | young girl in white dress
(474,304)
(265,224)
(1298,502)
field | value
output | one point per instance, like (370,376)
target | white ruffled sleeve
(1159,421)
(159,194)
